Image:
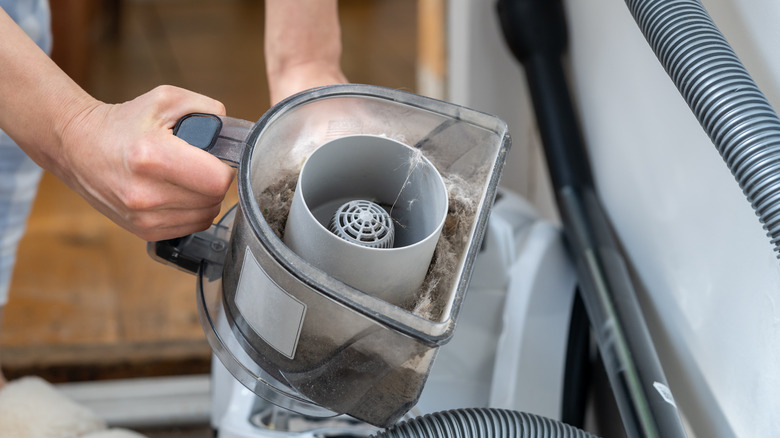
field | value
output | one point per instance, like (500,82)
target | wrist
(303,76)
(72,126)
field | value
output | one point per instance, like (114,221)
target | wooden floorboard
(86,301)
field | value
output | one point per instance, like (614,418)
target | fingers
(179,163)
(185,185)
(195,169)
(168,160)
(172,103)
(168,224)
(162,222)
(178,191)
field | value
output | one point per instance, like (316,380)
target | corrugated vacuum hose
(721,93)
(483,422)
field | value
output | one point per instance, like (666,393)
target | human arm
(302,45)
(123,159)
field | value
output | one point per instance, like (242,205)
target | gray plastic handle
(221,136)
(225,138)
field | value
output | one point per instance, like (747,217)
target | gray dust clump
(275,202)
(431,300)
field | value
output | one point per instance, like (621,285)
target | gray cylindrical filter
(368,210)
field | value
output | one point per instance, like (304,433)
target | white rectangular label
(273,314)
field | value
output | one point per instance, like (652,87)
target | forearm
(37,99)
(302,45)
(123,158)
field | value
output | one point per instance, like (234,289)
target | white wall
(712,281)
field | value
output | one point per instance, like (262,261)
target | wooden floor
(86,301)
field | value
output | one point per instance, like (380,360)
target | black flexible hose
(727,102)
(482,422)
(535,32)
(577,372)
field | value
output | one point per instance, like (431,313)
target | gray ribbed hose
(727,102)
(482,422)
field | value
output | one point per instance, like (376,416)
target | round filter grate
(363,223)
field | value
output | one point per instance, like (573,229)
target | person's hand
(126,162)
